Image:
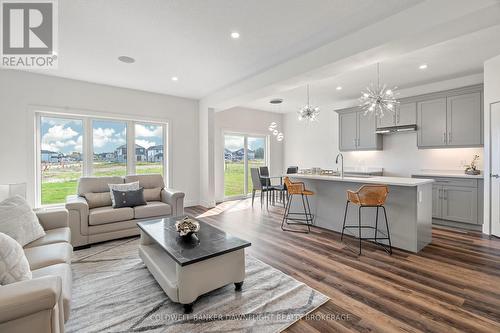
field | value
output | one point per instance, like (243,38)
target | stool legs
(307,221)
(360,226)
(388,233)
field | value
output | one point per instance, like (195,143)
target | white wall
(245,121)
(491,95)
(20,90)
(316,145)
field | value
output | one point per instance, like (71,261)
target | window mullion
(88,148)
(131,158)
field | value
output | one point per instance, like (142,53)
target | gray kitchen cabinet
(404,114)
(388,120)
(357,131)
(432,123)
(367,138)
(457,201)
(464,120)
(450,119)
(436,201)
(348,131)
(459,204)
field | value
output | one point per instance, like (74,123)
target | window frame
(87,118)
(267,160)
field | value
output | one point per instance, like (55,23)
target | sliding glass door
(242,152)
(256,156)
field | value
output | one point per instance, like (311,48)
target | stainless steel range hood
(396,129)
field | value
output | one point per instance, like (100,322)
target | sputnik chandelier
(378,100)
(308,112)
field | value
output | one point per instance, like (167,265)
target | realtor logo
(29,34)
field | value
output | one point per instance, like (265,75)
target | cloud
(58,137)
(145,143)
(148,131)
(103,136)
(78,145)
(60,121)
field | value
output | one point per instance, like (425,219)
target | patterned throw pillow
(18,220)
(14,266)
(130,198)
(122,187)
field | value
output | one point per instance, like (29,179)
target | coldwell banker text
(29,34)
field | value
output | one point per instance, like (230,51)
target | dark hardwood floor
(452,285)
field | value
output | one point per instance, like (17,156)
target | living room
(264,166)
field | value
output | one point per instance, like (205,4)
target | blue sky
(66,135)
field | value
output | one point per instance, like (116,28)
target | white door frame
(493,228)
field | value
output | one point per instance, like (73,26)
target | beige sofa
(92,219)
(42,304)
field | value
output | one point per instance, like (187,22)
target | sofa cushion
(96,200)
(152,209)
(18,220)
(58,235)
(63,271)
(105,215)
(14,266)
(46,255)
(147,181)
(152,194)
(96,184)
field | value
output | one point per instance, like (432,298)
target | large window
(241,153)
(60,157)
(109,142)
(149,148)
(73,146)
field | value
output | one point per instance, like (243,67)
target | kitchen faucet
(341,165)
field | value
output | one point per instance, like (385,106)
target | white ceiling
(451,59)
(191,39)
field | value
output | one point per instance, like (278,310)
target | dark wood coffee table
(189,267)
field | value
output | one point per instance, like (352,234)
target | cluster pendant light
(308,112)
(378,100)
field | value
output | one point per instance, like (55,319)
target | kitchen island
(409,207)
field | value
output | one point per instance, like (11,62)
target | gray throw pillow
(129,198)
(122,187)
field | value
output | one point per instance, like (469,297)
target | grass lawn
(234,175)
(58,183)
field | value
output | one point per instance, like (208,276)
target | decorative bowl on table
(187,226)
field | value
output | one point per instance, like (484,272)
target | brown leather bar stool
(297,188)
(369,196)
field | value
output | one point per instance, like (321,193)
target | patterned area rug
(114,292)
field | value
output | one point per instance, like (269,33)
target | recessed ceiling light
(339,88)
(423,66)
(126,59)
(235,35)
(175,78)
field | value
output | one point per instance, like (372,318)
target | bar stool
(369,196)
(297,188)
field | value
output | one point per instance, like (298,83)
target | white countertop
(395,181)
(445,173)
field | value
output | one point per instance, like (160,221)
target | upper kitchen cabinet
(404,114)
(432,123)
(464,120)
(348,130)
(357,131)
(451,119)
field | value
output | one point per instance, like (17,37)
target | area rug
(114,292)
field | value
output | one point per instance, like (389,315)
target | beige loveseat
(42,304)
(92,219)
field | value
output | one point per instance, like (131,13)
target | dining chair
(282,188)
(292,169)
(257,185)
